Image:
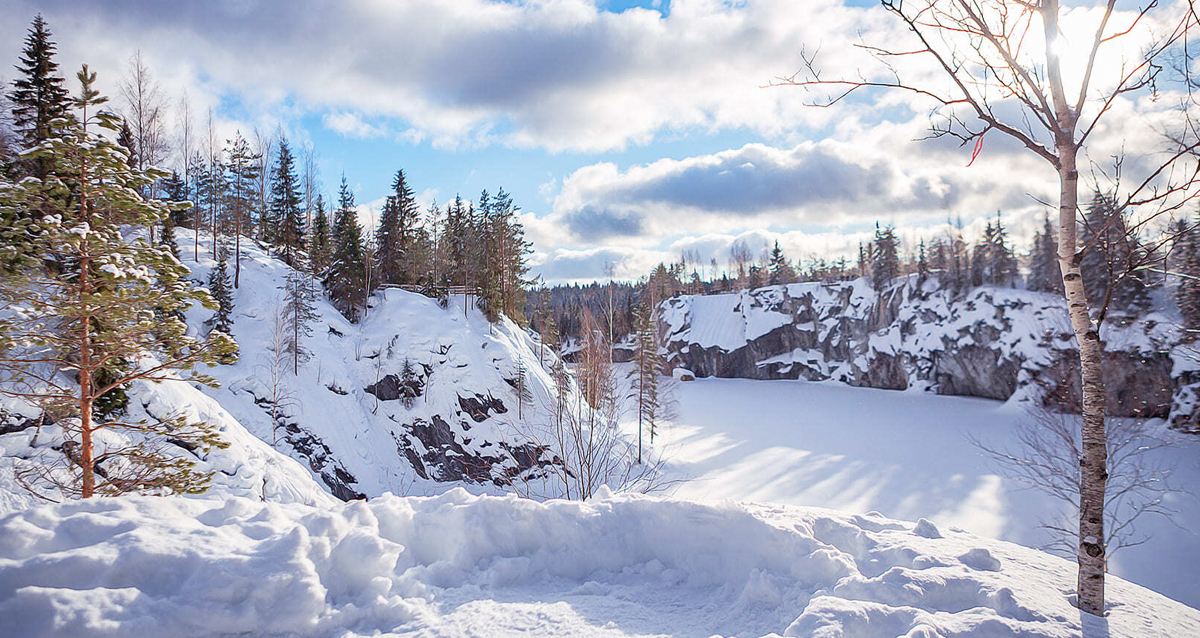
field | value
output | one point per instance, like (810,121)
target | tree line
(1121,261)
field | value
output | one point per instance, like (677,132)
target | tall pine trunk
(85,390)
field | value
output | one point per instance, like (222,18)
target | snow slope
(247,468)
(463,565)
(464,428)
(907,455)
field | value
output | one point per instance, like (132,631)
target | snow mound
(465,565)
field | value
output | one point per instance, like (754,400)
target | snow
(466,358)
(464,565)
(247,468)
(1027,328)
(907,455)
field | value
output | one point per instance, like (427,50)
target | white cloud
(553,74)
(351,125)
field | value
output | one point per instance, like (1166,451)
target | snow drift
(458,564)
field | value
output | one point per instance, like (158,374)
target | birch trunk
(1093,463)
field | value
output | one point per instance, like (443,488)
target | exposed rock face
(445,459)
(991,342)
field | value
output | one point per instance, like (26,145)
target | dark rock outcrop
(990,343)
(446,459)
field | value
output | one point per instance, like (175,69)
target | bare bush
(1047,458)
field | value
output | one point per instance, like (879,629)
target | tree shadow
(1093,626)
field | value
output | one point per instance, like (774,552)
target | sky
(628,131)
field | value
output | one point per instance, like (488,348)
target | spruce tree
(1186,263)
(1045,273)
(922,264)
(39,95)
(320,241)
(781,272)
(397,237)
(107,298)
(1111,257)
(221,289)
(981,258)
(175,189)
(885,264)
(299,312)
(1002,264)
(125,140)
(346,277)
(285,213)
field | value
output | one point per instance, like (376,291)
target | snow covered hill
(992,343)
(463,565)
(344,414)
(348,416)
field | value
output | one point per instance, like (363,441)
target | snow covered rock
(413,396)
(992,343)
(464,565)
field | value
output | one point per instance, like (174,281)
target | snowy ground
(462,565)
(904,454)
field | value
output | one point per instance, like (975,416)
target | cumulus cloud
(554,74)
(811,184)
(351,125)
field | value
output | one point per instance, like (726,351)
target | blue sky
(628,130)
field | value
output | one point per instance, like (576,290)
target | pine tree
(885,264)
(645,373)
(506,269)
(284,209)
(299,312)
(106,299)
(346,278)
(39,95)
(221,288)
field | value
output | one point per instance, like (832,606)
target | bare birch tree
(146,112)
(1001,79)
